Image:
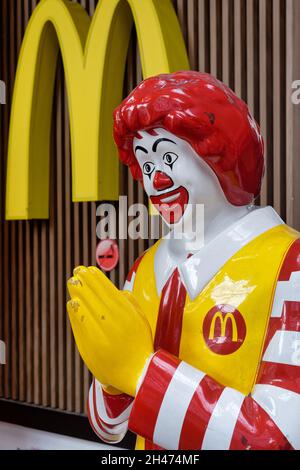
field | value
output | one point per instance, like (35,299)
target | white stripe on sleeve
(105,436)
(283,406)
(286,291)
(174,406)
(222,422)
(284,348)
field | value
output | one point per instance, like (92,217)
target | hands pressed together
(112,334)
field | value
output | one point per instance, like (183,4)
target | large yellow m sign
(94,55)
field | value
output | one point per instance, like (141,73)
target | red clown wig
(209,116)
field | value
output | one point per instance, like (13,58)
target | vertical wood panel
(240,48)
(215,38)
(226,49)
(250,55)
(253,45)
(276,106)
(70,384)
(60,277)
(203,36)
(263,84)
(192,31)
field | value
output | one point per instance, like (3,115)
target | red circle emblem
(107,254)
(224,329)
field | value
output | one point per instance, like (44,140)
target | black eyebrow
(158,141)
(141,148)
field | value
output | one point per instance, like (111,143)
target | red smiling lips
(171,205)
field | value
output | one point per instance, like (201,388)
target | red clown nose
(162,181)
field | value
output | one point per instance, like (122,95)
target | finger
(97,324)
(85,305)
(73,306)
(108,292)
(102,285)
(74,286)
(78,269)
(87,278)
(87,337)
(82,320)
(89,286)
(80,283)
(100,294)
(103,280)
(99,286)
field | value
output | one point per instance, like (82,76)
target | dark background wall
(253,46)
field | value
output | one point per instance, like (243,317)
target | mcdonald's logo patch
(224,329)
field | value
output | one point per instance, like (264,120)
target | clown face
(175,178)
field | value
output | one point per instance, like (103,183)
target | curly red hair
(206,113)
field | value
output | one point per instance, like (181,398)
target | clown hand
(111,332)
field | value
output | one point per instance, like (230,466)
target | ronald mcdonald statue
(201,350)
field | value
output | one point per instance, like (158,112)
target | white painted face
(175,178)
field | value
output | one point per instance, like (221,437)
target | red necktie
(169,322)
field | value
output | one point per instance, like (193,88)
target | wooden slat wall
(252,45)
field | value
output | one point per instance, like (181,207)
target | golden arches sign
(94,55)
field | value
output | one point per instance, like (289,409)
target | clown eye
(170,158)
(148,168)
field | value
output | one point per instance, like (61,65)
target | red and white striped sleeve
(108,414)
(179,407)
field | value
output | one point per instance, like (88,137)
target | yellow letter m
(94,56)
